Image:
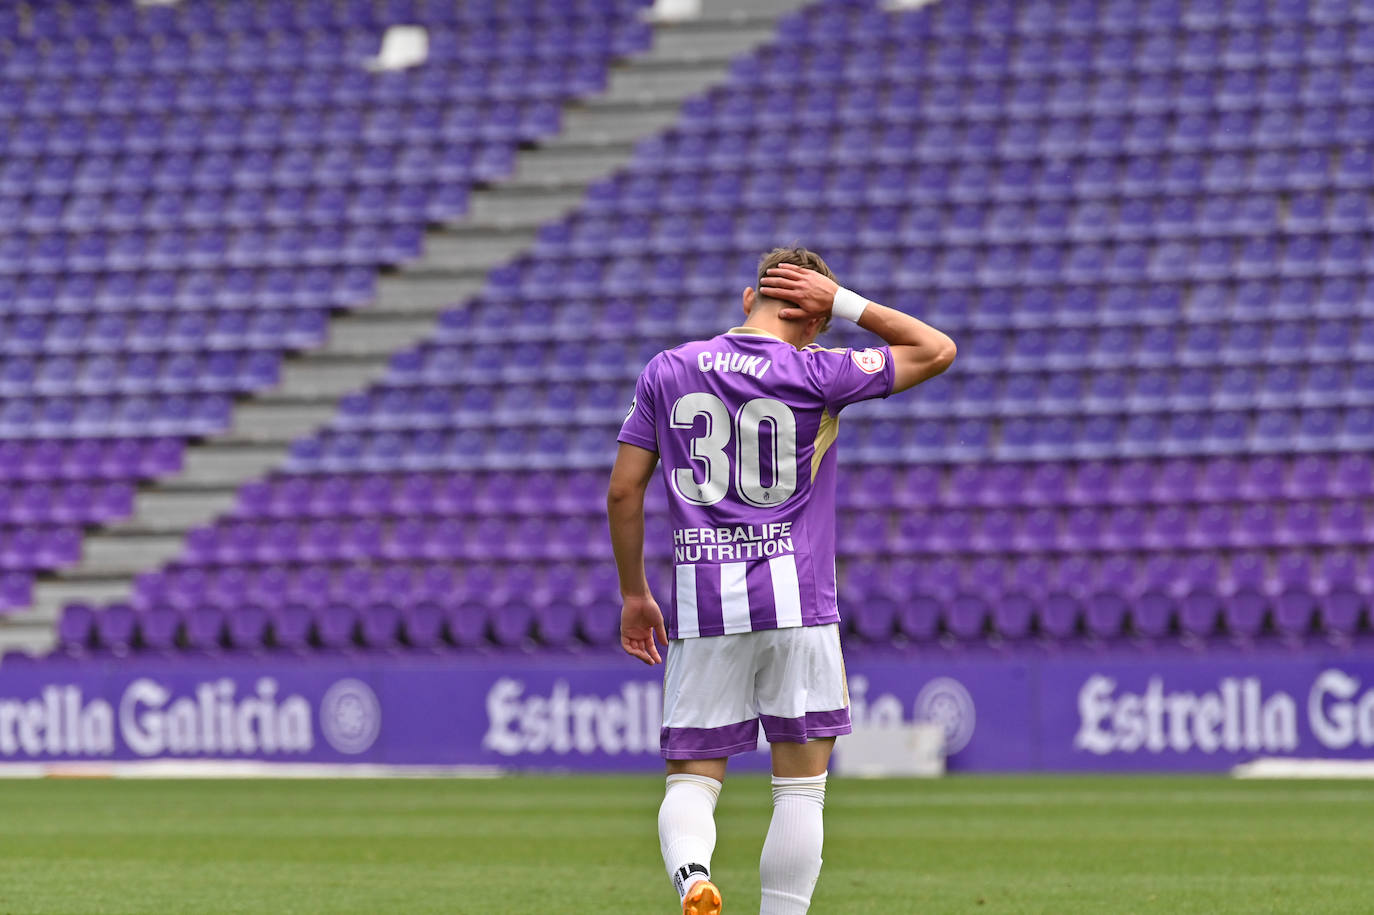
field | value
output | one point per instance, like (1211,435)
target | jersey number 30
(708,450)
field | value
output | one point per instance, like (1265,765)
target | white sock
(687,829)
(791,859)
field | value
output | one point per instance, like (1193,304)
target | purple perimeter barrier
(1100,712)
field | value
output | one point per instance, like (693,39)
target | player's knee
(802,760)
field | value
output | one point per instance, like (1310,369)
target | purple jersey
(745,424)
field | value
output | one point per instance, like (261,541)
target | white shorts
(717,689)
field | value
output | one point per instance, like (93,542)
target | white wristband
(848,304)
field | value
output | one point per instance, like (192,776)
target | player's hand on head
(810,292)
(641,623)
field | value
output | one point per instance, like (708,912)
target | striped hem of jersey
(735,597)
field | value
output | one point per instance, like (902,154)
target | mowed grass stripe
(518,845)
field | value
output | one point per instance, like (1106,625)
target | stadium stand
(1146,224)
(190,190)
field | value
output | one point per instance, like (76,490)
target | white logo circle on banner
(945,701)
(350,716)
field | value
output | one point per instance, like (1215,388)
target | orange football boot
(703,899)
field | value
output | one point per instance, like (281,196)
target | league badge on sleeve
(630,412)
(869,361)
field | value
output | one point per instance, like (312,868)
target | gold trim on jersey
(844,675)
(826,433)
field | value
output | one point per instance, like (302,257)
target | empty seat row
(187,100)
(1173,573)
(59,22)
(1307,229)
(426,627)
(1143,117)
(143,456)
(1079,530)
(916,184)
(339,166)
(65,503)
(110,376)
(165,292)
(421,126)
(117,630)
(358,246)
(1109,616)
(562,584)
(96,417)
(1207,24)
(96,214)
(33,336)
(34,547)
(1243,53)
(728,229)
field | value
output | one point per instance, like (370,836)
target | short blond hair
(798,256)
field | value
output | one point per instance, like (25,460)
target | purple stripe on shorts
(710,743)
(808,727)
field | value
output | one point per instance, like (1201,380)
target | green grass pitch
(589,844)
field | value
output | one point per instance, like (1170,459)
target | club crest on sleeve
(869,361)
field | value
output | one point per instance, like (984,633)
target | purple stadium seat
(290,626)
(205,628)
(555,623)
(873,618)
(159,629)
(336,626)
(422,625)
(1295,604)
(1246,602)
(247,628)
(966,616)
(76,628)
(599,623)
(380,625)
(1012,615)
(918,616)
(1344,602)
(466,624)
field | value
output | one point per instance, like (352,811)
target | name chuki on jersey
(733,362)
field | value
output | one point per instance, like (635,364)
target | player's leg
(791,860)
(804,705)
(687,830)
(707,715)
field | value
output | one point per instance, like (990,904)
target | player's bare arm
(919,351)
(641,621)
